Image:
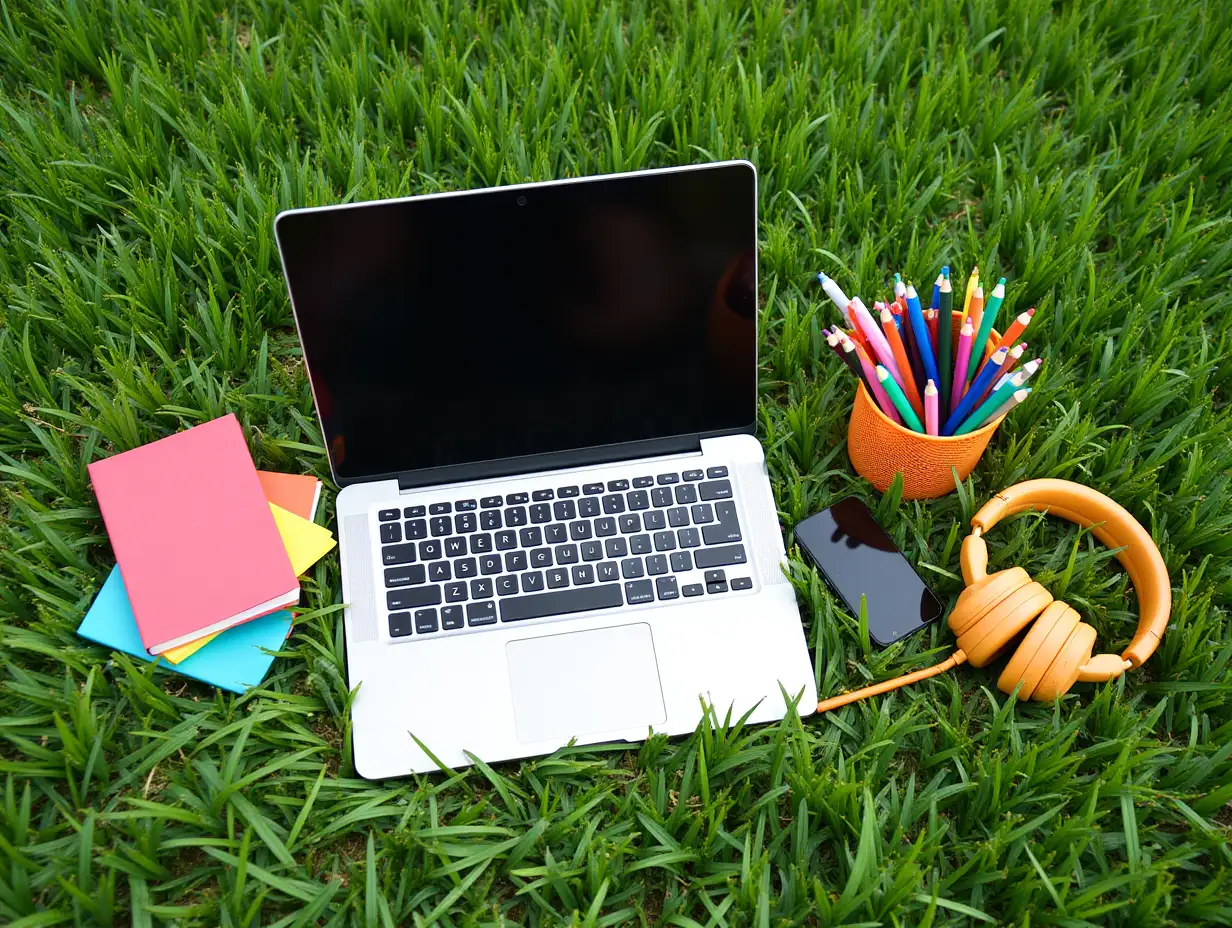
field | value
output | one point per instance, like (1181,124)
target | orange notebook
(193,534)
(297,493)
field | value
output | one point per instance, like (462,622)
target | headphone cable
(834,702)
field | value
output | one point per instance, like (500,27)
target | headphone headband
(1110,522)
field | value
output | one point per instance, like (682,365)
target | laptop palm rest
(581,683)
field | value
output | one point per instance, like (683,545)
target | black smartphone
(857,558)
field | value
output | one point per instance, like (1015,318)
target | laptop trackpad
(581,683)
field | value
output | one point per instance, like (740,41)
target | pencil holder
(879,448)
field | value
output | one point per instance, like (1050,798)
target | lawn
(1082,150)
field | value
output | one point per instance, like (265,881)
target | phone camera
(521,201)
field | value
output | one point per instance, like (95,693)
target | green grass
(1083,150)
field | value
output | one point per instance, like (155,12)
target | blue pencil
(936,303)
(920,328)
(987,374)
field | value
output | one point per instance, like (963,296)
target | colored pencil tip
(821,277)
(882,374)
(898,278)
(1001,282)
(1031,311)
(886,315)
(945,272)
(930,388)
(911,290)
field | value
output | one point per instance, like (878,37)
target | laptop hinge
(558,460)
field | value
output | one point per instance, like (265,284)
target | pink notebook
(193,534)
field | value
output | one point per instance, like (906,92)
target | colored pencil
(988,412)
(875,387)
(907,331)
(1016,328)
(965,334)
(836,294)
(834,340)
(987,321)
(987,374)
(876,338)
(976,312)
(1011,361)
(936,303)
(972,282)
(945,339)
(851,355)
(907,382)
(1029,369)
(854,331)
(995,401)
(1015,400)
(899,289)
(919,328)
(899,399)
(933,318)
(930,407)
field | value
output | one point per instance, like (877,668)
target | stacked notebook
(208,550)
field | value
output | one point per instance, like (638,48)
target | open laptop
(555,522)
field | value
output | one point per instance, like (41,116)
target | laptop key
(481,613)
(413,598)
(666,588)
(630,523)
(681,560)
(588,507)
(555,534)
(566,554)
(540,513)
(464,522)
(661,496)
(613,504)
(579,531)
(465,567)
(481,543)
(541,557)
(607,571)
(400,624)
(531,537)
(507,585)
(616,547)
(715,576)
(405,576)
(643,481)
(481,588)
(565,492)
(715,489)
(742,583)
(631,567)
(464,505)
(721,533)
(725,511)
(668,478)
(564,510)
(702,513)
(455,592)
(441,526)
(654,520)
(532,582)
(558,577)
(591,550)
(451,618)
(715,472)
(506,540)
(689,538)
(414,512)
(637,591)
(490,564)
(429,550)
(638,500)
(425,621)
(540,495)
(716,587)
(391,532)
(639,544)
(677,516)
(562,602)
(665,541)
(514,499)
(491,502)
(515,560)
(455,546)
(591,489)
(692,589)
(583,574)
(388,515)
(719,557)
(439,509)
(686,493)
(398,554)
(656,564)
(491,520)
(439,571)
(605,526)
(515,516)
(614,485)
(693,475)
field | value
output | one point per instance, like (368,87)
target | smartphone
(858,559)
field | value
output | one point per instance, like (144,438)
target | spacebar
(581,599)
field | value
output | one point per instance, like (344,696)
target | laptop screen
(518,321)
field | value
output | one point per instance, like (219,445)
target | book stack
(208,554)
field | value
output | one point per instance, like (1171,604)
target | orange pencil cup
(879,448)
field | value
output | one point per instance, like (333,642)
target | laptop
(555,522)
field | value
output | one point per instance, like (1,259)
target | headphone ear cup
(1030,659)
(1000,625)
(975,601)
(1063,672)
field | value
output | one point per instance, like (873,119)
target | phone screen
(858,559)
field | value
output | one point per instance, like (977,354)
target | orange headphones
(1057,651)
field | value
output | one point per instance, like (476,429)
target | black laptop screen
(475,327)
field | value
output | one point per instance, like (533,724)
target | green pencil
(987,321)
(995,401)
(945,337)
(899,399)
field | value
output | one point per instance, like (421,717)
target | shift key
(418,596)
(705,558)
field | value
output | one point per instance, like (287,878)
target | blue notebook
(233,661)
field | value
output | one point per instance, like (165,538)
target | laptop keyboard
(477,563)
